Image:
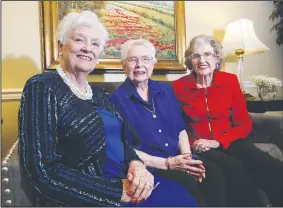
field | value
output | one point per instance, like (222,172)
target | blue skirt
(166,194)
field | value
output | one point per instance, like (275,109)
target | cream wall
(209,17)
(20,42)
(21,45)
(20,30)
(20,60)
(216,15)
(21,38)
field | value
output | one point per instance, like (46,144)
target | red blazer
(218,112)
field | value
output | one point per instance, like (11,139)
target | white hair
(86,18)
(129,44)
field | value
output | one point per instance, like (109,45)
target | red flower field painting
(152,20)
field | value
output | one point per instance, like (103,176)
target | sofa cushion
(271,149)
(268,128)
(18,197)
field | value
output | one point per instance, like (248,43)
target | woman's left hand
(142,181)
(203,145)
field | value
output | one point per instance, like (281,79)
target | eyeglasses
(134,60)
(206,55)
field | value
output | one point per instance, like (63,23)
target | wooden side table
(261,106)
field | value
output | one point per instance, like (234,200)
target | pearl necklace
(75,89)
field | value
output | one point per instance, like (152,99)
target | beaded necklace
(74,88)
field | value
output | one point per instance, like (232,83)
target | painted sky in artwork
(152,20)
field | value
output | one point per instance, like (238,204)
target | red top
(218,112)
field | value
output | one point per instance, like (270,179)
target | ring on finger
(148,185)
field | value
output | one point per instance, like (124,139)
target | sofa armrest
(268,128)
(12,193)
(271,149)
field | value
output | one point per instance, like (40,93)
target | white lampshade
(240,34)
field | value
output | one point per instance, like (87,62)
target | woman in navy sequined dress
(72,150)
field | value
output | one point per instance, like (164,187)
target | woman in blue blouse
(157,131)
(72,150)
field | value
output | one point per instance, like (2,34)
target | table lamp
(240,39)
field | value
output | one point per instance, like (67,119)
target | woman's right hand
(126,196)
(139,183)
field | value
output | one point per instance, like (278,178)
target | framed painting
(161,22)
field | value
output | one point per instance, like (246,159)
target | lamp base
(248,96)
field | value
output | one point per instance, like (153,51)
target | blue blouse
(152,127)
(115,164)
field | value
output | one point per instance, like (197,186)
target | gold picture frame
(50,57)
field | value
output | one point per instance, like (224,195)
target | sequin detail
(62,145)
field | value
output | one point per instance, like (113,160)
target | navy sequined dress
(62,146)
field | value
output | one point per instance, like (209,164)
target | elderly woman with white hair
(72,150)
(156,129)
(219,125)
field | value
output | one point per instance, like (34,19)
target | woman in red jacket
(218,122)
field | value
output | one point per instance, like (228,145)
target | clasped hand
(191,166)
(139,183)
